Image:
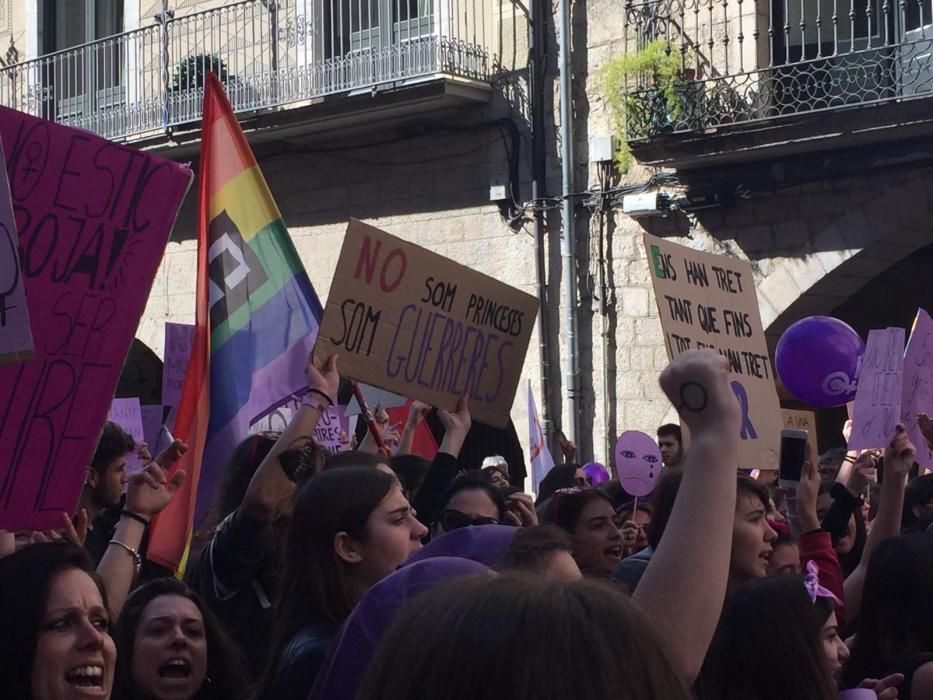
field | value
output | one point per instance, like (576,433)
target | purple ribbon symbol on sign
(748,430)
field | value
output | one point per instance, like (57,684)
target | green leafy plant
(191,72)
(660,62)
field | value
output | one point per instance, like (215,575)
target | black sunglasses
(454,520)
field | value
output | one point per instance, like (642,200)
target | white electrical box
(497,193)
(602,149)
(644,204)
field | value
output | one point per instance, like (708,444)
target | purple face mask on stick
(638,462)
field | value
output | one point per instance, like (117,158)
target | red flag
(423,444)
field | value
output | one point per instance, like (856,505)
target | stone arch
(848,250)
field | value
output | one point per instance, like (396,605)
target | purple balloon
(597,473)
(819,359)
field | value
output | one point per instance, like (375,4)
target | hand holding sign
(899,455)
(926,428)
(325,379)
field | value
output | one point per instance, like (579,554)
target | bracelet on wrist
(135,516)
(137,560)
(312,401)
(329,400)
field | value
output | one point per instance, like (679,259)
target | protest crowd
(333,576)
(372,571)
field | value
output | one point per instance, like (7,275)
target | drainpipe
(569,363)
(537,65)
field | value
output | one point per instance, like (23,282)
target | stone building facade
(831,208)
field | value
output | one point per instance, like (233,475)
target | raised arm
(443,469)
(814,542)
(898,459)
(148,492)
(270,488)
(684,586)
(416,414)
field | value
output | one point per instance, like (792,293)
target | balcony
(273,57)
(757,79)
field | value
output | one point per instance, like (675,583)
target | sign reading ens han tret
(709,301)
(413,322)
(92,220)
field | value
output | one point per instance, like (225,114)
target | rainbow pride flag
(256,321)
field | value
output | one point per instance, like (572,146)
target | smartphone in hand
(793,454)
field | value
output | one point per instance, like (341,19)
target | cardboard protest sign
(127,413)
(92,219)
(917,395)
(417,324)
(179,337)
(800,420)
(709,301)
(877,407)
(15,335)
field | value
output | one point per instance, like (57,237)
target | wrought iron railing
(753,60)
(268,54)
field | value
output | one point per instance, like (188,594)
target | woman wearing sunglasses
(470,501)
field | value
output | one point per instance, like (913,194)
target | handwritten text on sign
(877,407)
(179,337)
(15,335)
(328,432)
(709,301)
(793,419)
(917,396)
(93,218)
(127,413)
(413,322)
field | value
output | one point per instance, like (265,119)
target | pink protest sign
(15,335)
(178,340)
(918,384)
(127,413)
(92,219)
(877,407)
(638,462)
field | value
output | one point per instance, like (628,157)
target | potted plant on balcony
(657,107)
(187,89)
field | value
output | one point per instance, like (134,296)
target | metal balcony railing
(754,60)
(268,54)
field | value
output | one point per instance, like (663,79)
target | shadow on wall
(445,163)
(142,375)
